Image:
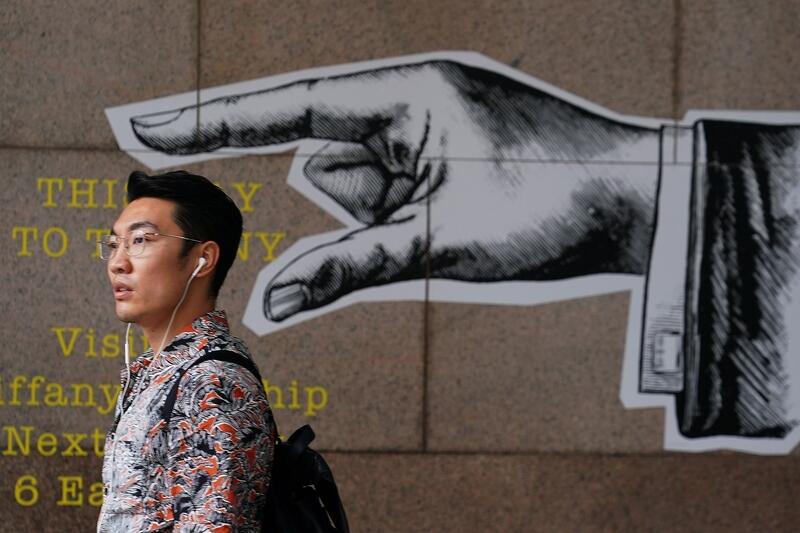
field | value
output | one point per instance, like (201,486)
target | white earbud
(200,264)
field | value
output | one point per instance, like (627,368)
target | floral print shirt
(210,468)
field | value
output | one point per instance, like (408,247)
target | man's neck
(159,337)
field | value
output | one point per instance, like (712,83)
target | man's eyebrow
(139,225)
(142,224)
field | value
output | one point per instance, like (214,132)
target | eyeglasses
(134,243)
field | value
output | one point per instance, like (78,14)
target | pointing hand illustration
(451,170)
(481,174)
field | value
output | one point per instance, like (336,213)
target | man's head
(179,218)
(202,210)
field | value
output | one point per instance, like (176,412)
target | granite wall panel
(63,64)
(513,492)
(739,55)
(616,54)
(568,492)
(515,378)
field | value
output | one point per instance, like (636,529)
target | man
(208,468)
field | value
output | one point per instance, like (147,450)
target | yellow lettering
(82,187)
(312,405)
(15,386)
(71,491)
(33,386)
(49,183)
(247,196)
(244,246)
(293,392)
(26,484)
(13,436)
(125,195)
(90,339)
(74,449)
(46,241)
(66,347)
(96,494)
(110,345)
(76,395)
(99,440)
(46,444)
(110,184)
(24,231)
(270,241)
(54,395)
(110,393)
(94,235)
(276,391)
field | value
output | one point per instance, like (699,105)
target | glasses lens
(136,242)
(106,246)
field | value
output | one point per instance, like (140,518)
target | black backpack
(302,495)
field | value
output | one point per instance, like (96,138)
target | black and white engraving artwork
(503,189)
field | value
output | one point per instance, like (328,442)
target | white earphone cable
(200,265)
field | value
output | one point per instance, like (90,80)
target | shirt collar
(186,344)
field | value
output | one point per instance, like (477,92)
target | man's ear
(209,251)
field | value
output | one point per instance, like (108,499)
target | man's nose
(119,262)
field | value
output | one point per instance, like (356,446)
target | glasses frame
(127,247)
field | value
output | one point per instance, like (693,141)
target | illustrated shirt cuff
(661,367)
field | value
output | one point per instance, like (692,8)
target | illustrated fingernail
(288,300)
(156,119)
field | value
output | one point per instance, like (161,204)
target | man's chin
(125,315)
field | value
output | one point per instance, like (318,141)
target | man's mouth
(122,291)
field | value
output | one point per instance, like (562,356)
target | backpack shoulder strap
(218,355)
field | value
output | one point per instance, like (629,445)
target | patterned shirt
(210,468)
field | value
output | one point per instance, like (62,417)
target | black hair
(202,210)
